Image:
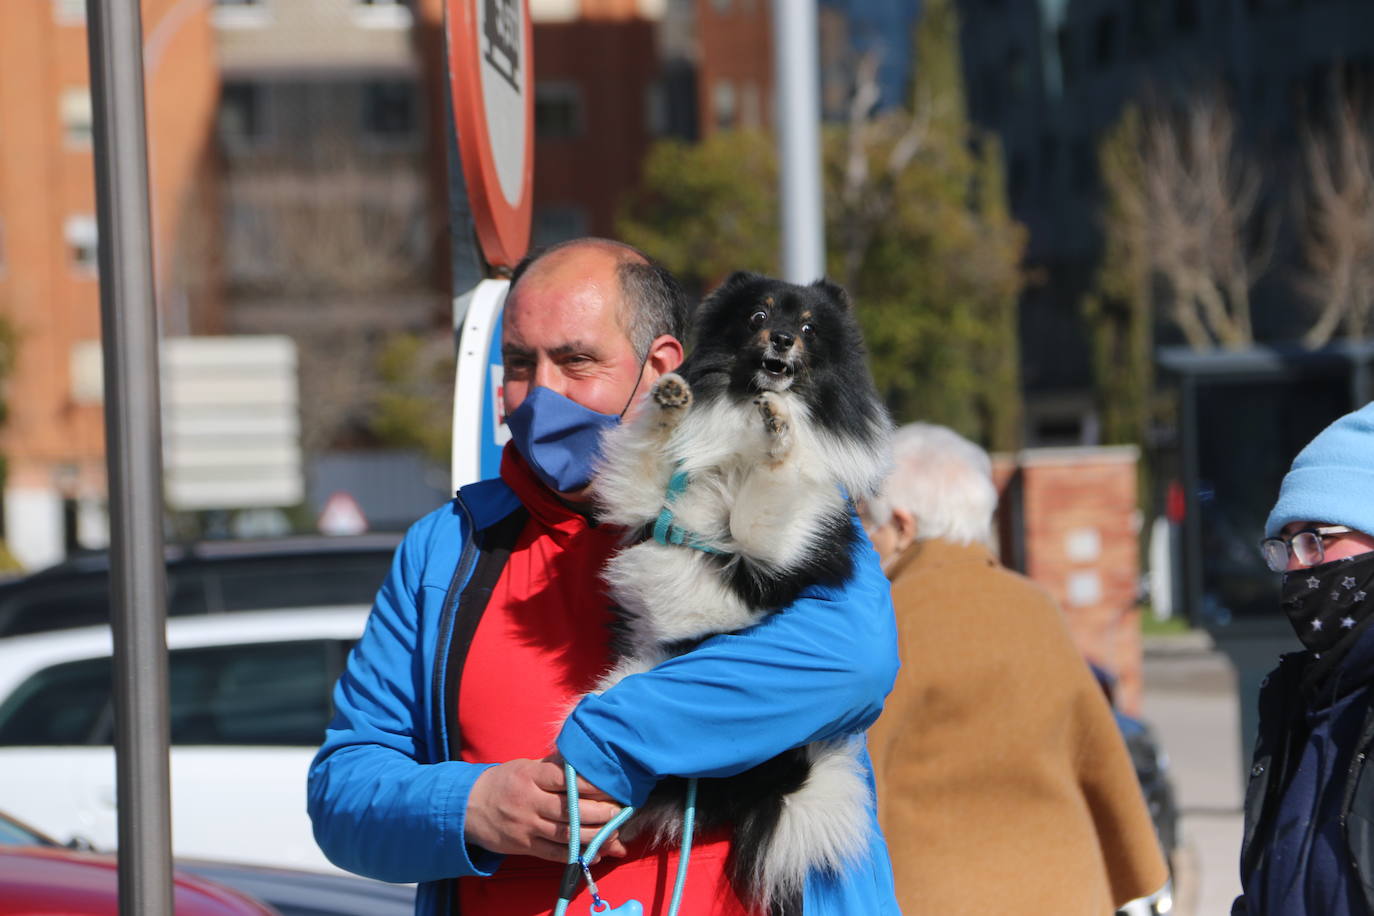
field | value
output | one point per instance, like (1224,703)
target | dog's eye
(757,319)
(808,330)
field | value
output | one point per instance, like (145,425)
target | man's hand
(521,808)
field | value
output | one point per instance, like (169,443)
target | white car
(250,698)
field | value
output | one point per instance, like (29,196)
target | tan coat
(1003,783)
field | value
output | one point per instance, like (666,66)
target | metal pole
(133,439)
(798,94)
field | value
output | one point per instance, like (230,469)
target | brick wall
(1069,520)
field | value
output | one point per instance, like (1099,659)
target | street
(1190,702)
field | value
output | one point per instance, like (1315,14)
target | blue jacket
(386,801)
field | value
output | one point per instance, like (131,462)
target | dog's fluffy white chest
(760,482)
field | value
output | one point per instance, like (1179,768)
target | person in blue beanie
(1308,847)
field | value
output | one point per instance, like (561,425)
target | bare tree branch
(330,248)
(1336,220)
(866,198)
(1205,236)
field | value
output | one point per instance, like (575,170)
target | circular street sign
(491,82)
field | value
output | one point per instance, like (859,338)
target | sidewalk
(1190,701)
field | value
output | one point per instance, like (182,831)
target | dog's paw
(775,419)
(671,392)
(776,423)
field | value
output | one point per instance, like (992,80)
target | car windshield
(13,833)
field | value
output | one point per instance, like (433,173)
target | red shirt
(541,644)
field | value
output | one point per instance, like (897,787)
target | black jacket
(1278,747)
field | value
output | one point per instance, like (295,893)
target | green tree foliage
(414,405)
(708,209)
(9,354)
(1117,308)
(918,230)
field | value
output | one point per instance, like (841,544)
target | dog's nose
(782,340)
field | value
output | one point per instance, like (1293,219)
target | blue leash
(579,864)
(666,531)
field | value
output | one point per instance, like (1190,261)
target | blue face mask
(558,438)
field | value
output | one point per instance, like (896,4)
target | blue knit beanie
(1332,480)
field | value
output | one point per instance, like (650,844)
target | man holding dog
(443,765)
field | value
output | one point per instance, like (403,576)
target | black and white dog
(735,480)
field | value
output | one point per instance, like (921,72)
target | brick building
(49,289)
(735,67)
(599,103)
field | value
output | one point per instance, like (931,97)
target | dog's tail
(823,824)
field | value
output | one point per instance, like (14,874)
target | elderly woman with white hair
(1003,781)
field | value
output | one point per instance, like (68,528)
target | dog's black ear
(738,279)
(730,286)
(833,290)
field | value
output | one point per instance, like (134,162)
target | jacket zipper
(461,572)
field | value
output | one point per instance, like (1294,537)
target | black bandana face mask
(1325,602)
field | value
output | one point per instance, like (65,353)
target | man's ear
(905,525)
(665,355)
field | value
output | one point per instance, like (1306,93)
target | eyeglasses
(1305,546)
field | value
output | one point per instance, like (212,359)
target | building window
(1104,41)
(82,238)
(1016,178)
(725,104)
(1146,25)
(750,109)
(382,14)
(69,12)
(1185,15)
(555,224)
(242,120)
(1017,76)
(75,111)
(557,111)
(240,14)
(655,108)
(251,249)
(1049,161)
(389,110)
(1068,59)
(1084,166)
(989,93)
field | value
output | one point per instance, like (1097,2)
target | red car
(39,880)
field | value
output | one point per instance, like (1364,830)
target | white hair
(943,480)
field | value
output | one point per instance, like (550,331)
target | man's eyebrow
(568,349)
(562,349)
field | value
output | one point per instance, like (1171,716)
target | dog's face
(775,335)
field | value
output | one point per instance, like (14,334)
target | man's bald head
(652,302)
